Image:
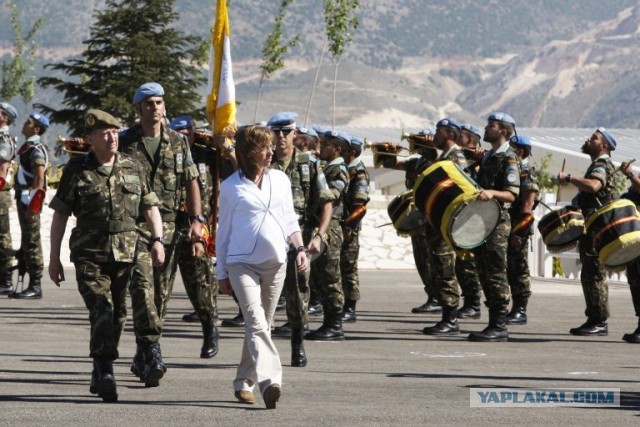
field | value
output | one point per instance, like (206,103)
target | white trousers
(258,288)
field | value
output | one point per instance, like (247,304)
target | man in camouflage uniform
(30,192)
(594,190)
(355,207)
(303,172)
(106,191)
(198,274)
(466,269)
(442,255)
(521,214)
(633,268)
(8,115)
(167,161)
(499,178)
(326,268)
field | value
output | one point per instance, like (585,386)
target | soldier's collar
(354,162)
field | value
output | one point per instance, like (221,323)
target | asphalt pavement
(386,372)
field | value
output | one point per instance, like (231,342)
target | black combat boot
(191,317)
(349,315)
(107,382)
(315,308)
(633,338)
(331,329)
(470,309)
(6,282)
(154,367)
(591,327)
(93,385)
(431,306)
(447,326)
(236,322)
(33,291)
(518,313)
(298,356)
(210,341)
(497,329)
(137,365)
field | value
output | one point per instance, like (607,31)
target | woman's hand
(302,261)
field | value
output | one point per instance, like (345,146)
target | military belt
(111,226)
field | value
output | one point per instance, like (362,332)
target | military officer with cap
(442,255)
(521,213)
(325,270)
(30,192)
(8,116)
(166,159)
(355,208)
(106,191)
(595,189)
(198,274)
(499,178)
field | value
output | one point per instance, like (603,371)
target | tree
(274,50)
(16,74)
(131,42)
(339,16)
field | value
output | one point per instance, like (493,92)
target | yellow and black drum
(616,233)
(447,197)
(406,218)
(561,228)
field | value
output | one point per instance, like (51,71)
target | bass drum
(406,218)
(561,228)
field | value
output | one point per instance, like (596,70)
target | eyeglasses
(263,149)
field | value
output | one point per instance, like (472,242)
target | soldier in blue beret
(306,140)
(595,189)
(30,191)
(8,115)
(146,90)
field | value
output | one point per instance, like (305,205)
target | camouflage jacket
(499,171)
(168,173)
(31,154)
(106,204)
(205,161)
(456,155)
(414,166)
(603,170)
(337,185)
(358,192)
(528,183)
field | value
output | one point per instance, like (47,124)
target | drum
(406,218)
(615,229)
(447,197)
(560,229)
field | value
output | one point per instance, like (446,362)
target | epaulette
(303,158)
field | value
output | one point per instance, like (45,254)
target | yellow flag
(221,101)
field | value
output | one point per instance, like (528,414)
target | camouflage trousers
(31,243)
(6,245)
(443,271)
(349,266)
(421,255)
(296,296)
(325,271)
(594,281)
(468,278)
(199,278)
(518,274)
(633,277)
(491,259)
(103,287)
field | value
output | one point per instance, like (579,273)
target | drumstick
(384,225)
(564,162)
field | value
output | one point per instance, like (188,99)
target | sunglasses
(285,132)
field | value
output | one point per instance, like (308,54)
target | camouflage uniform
(168,172)
(466,269)
(198,274)
(106,202)
(302,171)
(325,270)
(32,154)
(593,275)
(357,195)
(633,268)
(7,154)
(517,257)
(498,171)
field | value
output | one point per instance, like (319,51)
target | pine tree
(131,42)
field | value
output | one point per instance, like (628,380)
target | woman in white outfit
(257,225)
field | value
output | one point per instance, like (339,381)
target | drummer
(633,268)
(595,189)
(499,177)
(442,256)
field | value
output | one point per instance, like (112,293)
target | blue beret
(10,109)
(147,90)
(472,129)
(356,141)
(307,131)
(321,129)
(520,140)
(427,132)
(501,117)
(41,119)
(339,135)
(180,123)
(448,123)
(284,120)
(609,137)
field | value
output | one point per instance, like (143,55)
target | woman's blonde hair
(251,138)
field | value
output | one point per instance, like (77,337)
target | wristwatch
(200,218)
(158,239)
